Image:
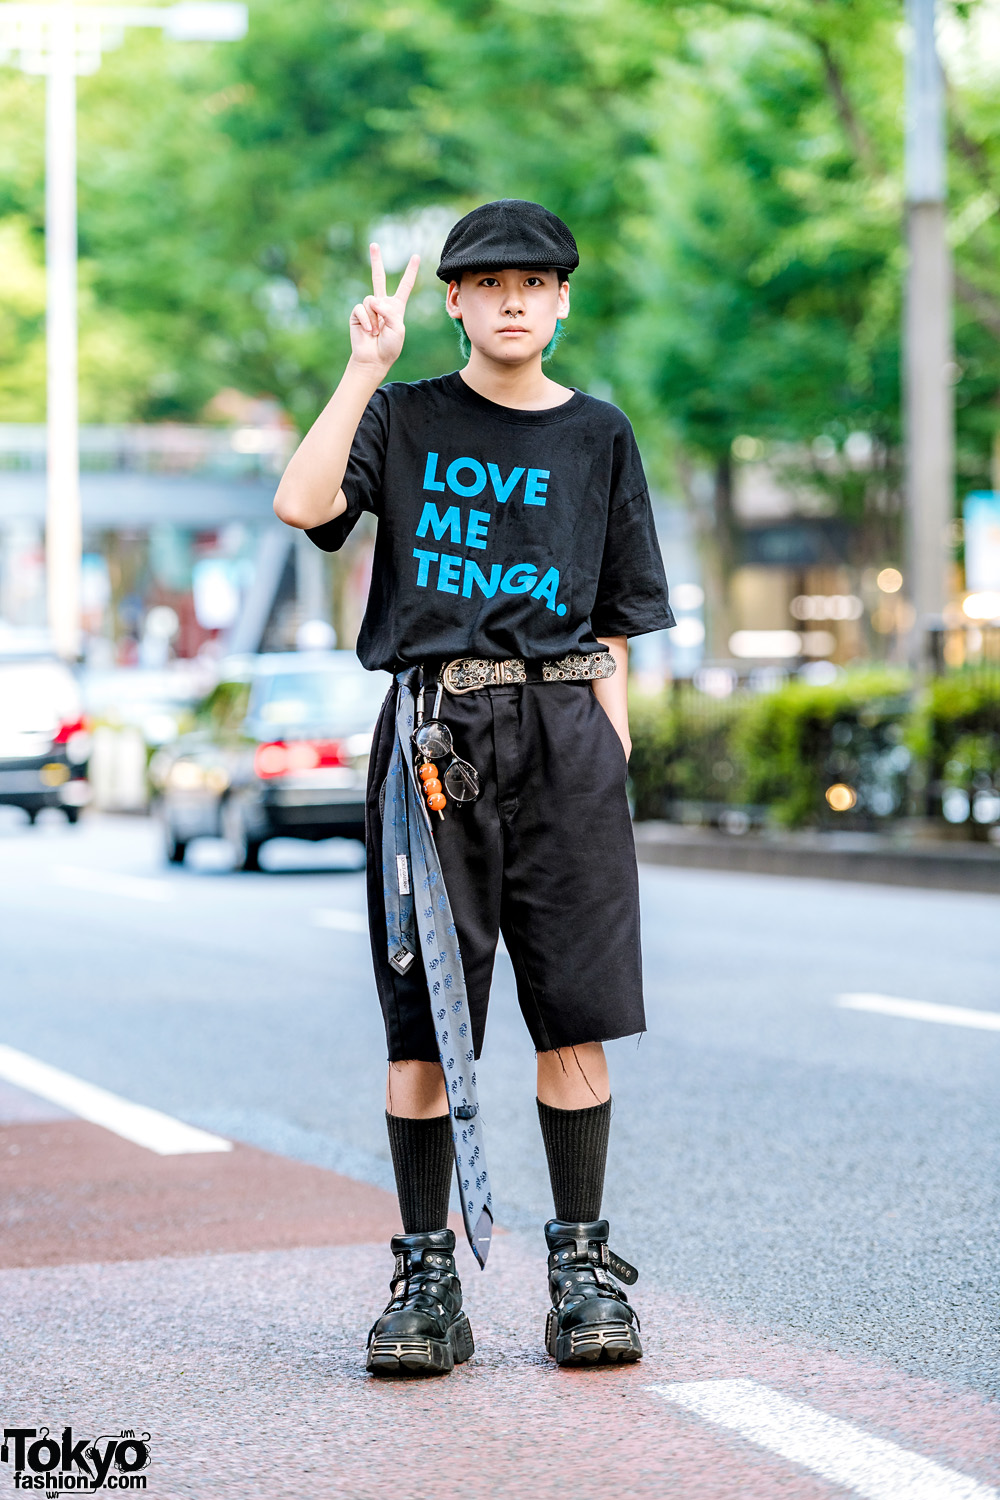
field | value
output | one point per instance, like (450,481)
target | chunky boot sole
(388,1355)
(592,1344)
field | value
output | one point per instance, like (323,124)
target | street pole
(929,415)
(60,42)
(63,522)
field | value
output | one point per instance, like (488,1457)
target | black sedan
(280,750)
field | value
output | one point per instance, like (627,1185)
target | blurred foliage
(774,238)
(795,743)
(227,194)
(775,754)
(682,752)
(955,731)
(107,340)
(973,762)
(732,172)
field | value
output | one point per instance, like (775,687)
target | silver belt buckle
(483,673)
(448,676)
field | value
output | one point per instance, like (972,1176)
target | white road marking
(340,921)
(828,1446)
(107,883)
(135,1122)
(923,1010)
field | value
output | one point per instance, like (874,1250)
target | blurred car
(132,711)
(44,742)
(158,701)
(279,750)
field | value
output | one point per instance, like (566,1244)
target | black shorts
(544,855)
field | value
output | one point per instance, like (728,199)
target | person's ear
(562,306)
(453,300)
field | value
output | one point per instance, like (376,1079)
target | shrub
(776,754)
(795,743)
(955,733)
(681,751)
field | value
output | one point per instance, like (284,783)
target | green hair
(465,348)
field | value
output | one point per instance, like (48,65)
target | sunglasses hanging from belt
(432,741)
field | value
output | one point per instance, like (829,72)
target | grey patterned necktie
(417,907)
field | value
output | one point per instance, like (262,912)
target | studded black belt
(467,673)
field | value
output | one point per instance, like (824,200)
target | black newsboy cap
(508,233)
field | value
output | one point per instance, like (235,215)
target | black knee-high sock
(576,1144)
(423,1160)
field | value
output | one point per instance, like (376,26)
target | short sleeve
(632,587)
(363,477)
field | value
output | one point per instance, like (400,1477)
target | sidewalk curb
(870,858)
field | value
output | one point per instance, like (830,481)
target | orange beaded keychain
(433,791)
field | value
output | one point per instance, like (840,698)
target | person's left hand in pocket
(612,692)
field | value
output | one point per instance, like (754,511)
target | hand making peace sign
(377,329)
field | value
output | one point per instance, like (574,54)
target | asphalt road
(815,1168)
(819,1175)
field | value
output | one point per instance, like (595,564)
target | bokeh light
(841,797)
(984,605)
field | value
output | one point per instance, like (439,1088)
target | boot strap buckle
(616,1265)
(621,1268)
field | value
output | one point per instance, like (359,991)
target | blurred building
(182,552)
(798,570)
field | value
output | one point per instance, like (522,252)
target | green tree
(776,260)
(227,194)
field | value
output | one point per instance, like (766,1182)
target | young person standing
(515,555)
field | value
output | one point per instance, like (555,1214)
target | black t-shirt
(500,532)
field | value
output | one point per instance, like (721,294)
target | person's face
(509,316)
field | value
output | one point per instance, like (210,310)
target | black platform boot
(591,1321)
(423,1330)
